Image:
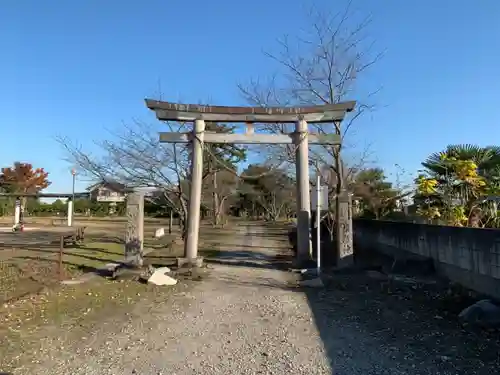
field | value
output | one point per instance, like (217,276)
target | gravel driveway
(245,318)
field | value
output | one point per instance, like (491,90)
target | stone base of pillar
(187,262)
(134,260)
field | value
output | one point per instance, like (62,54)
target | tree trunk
(183,227)
(183,214)
(170,222)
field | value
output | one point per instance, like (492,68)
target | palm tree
(485,158)
(465,174)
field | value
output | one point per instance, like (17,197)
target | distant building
(105,191)
(155,193)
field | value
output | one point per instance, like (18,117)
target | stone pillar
(70,212)
(303,194)
(193,218)
(17,212)
(134,235)
(345,231)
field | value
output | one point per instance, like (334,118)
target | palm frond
(484,157)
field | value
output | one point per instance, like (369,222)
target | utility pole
(73,173)
(71,202)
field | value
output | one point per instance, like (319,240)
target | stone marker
(134,235)
(344,232)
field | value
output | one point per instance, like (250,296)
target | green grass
(94,254)
(97,254)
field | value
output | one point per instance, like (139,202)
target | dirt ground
(246,315)
(31,297)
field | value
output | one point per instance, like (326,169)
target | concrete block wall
(468,256)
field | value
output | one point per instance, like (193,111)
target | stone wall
(467,256)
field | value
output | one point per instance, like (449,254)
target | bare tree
(267,190)
(322,66)
(218,188)
(135,157)
(278,199)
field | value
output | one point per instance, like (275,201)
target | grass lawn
(93,255)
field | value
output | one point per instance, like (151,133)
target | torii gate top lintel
(167,111)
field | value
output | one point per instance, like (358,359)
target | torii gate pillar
(193,219)
(303,195)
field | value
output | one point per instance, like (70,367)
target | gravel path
(244,319)
(241,320)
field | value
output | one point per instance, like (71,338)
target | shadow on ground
(247,258)
(385,326)
(259,282)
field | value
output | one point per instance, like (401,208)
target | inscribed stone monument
(134,236)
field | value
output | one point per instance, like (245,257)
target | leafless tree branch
(134,156)
(321,67)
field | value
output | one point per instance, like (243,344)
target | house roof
(111,185)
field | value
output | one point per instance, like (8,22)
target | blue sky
(74,68)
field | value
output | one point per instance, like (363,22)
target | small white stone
(160,232)
(159,278)
(163,269)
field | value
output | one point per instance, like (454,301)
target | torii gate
(301,116)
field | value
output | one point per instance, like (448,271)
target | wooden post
(303,195)
(193,219)
(60,260)
(134,235)
(344,231)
